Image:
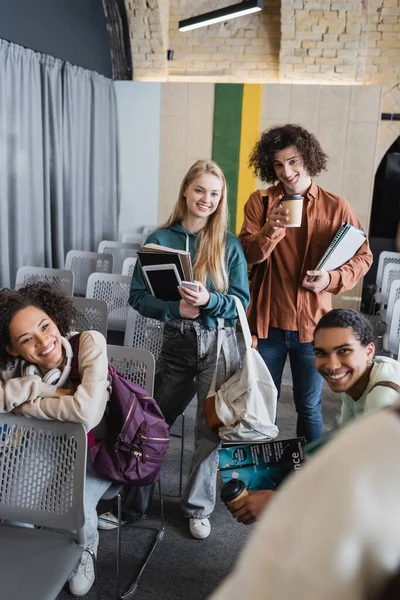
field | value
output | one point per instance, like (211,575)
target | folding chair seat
(384,258)
(391,273)
(394,332)
(62,279)
(120,251)
(394,295)
(90,314)
(83,264)
(146,230)
(132,237)
(42,465)
(114,290)
(128,266)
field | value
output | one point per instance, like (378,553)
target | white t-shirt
(372,400)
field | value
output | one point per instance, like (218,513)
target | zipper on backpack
(156,439)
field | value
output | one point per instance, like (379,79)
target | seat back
(146,230)
(120,251)
(394,295)
(394,331)
(83,264)
(114,290)
(42,472)
(62,279)
(142,332)
(128,266)
(132,237)
(391,273)
(384,258)
(90,314)
(135,364)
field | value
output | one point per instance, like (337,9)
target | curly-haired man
(285,305)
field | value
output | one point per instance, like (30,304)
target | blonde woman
(198,223)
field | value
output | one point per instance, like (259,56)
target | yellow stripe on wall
(250,133)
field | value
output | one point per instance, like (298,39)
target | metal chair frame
(62,279)
(42,465)
(83,264)
(91,314)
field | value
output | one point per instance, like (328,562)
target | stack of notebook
(164,269)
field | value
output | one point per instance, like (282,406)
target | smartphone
(190,285)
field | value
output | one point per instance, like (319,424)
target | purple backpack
(137,438)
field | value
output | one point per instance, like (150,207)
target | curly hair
(41,295)
(346,317)
(280,137)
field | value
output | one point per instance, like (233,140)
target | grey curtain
(58,160)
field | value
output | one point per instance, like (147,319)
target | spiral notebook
(342,248)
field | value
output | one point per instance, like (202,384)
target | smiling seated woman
(344,356)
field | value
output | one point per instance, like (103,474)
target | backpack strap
(389,384)
(74,374)
(265,210)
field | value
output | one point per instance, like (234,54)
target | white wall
(139,120)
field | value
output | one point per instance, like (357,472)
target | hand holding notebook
(342,248)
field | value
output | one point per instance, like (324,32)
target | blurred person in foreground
(333,531)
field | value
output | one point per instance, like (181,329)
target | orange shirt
(277,297)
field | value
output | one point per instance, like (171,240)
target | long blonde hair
(211,241)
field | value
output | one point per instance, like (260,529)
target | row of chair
(112,258)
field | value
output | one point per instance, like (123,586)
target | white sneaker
(108,521)
(83,578)
(200,528)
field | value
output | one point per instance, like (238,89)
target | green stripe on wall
(226,139)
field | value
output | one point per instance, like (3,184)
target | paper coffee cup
(232,492)
(294,204)
(232,503)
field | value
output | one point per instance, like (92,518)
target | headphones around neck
(54,376)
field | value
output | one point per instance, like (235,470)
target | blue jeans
(189,353)
(307,382)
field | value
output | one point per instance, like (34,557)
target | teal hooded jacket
(219,305)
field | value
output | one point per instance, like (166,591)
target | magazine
(261,465)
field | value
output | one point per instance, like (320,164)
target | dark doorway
(385,213)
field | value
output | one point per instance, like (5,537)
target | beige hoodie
(31,397)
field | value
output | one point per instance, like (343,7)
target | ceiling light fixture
(222,14)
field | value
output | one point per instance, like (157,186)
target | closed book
(147,259)
(184,256)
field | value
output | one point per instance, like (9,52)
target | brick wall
(148,24)
(339,41)
(323,41)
